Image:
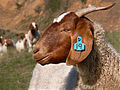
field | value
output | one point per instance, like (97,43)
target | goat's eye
(65,30)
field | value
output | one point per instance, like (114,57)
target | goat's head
(8,42)
(22,37)
(33,27)
(57,43)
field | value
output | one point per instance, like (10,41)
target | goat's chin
(44,60)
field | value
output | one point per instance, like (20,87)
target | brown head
(33,27)
(33,30)
(57,43)
(8,42)
(22,37)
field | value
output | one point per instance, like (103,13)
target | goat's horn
(81,12)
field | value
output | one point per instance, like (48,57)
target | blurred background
(15,18)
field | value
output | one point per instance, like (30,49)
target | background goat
(21,44)
(32,36)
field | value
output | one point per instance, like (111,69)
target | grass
(16,70)
(114,39)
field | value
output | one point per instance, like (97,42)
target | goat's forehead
(59,18)
(34,24)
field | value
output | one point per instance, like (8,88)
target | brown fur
(8,42)
(22,37)
(55,44)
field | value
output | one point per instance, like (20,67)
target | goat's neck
(102,65)
(88,68)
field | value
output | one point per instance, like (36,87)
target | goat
(1,50)
(9,42)
(3,45)
(4,48)
(6,43)
(32,36)
(98,64)
(21,44)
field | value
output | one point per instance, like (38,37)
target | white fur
(20,45)
(53,77)
(29,44)
(58,19)
(4,47)
(28,40)
(33,23)
(1,50)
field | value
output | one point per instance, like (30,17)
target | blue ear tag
(79,46)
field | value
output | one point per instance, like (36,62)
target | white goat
(1,50)
(4,48)
(21,45)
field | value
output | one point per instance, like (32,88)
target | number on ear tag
(79,46)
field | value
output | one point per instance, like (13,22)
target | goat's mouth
(44,60)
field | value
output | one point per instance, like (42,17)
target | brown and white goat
(32,36)
(98,64)
(8,42)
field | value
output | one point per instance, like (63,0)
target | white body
(4,48)
(20,45)
(1,50)
(29,44)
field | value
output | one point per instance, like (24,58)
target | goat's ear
(82,30)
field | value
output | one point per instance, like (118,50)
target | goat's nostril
(35,51)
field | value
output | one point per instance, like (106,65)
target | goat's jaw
(43,60)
